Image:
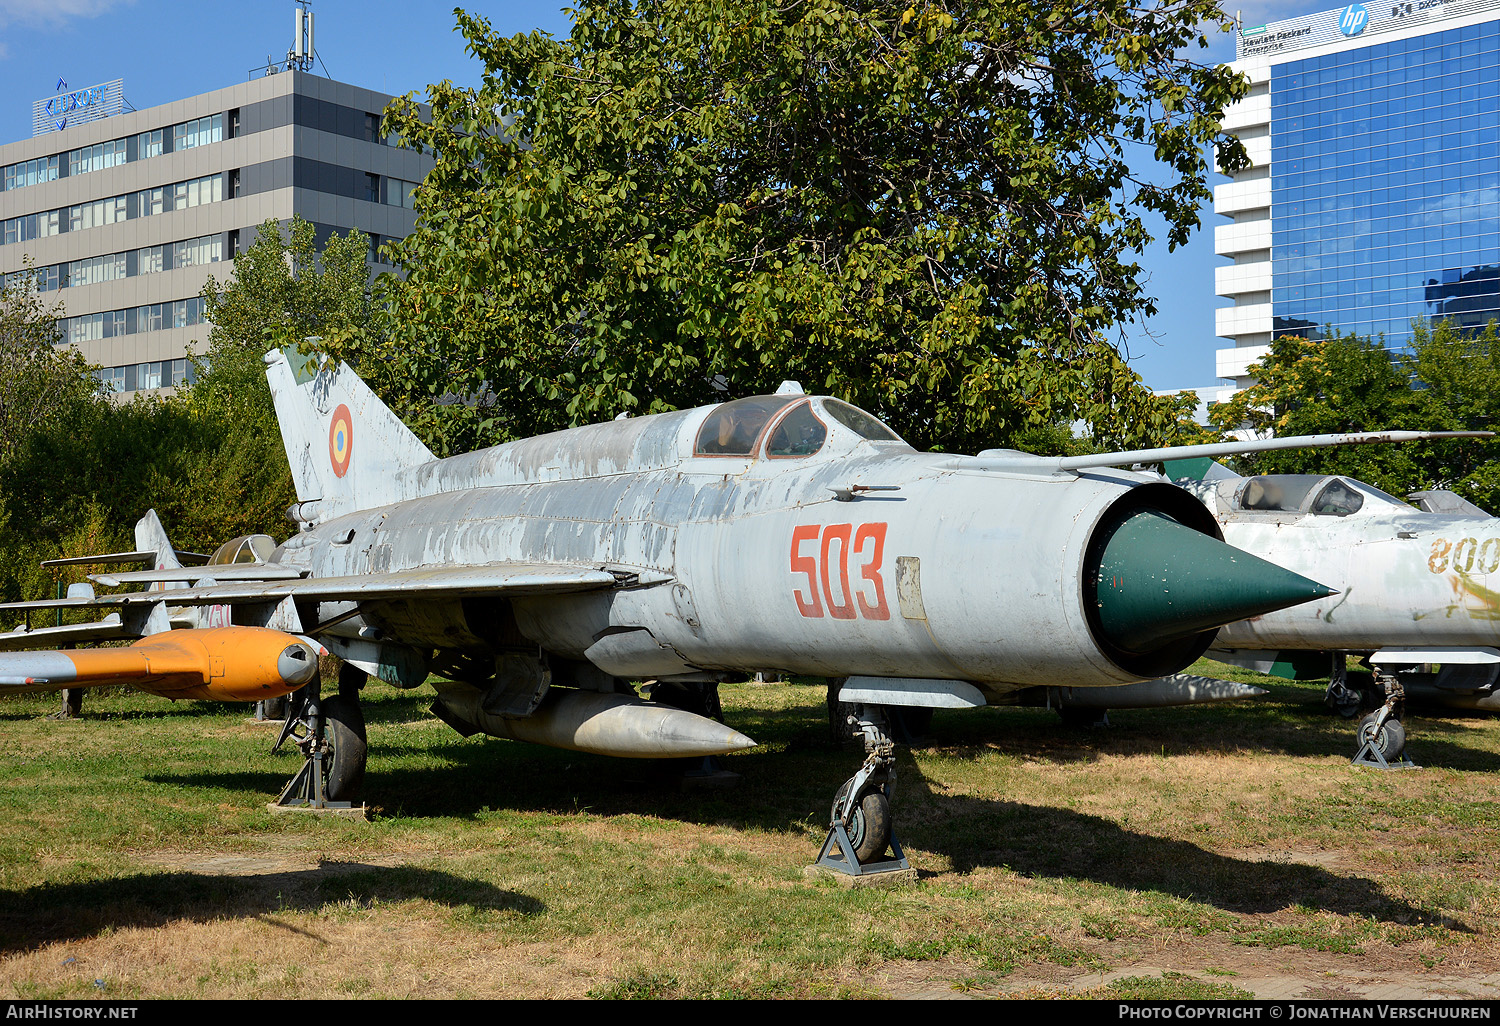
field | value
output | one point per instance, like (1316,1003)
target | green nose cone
(1159,581)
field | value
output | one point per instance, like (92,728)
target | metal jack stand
(1369,755)
(838,855)
(308,789)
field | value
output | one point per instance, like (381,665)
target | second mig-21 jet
(1418,600)
(786,534)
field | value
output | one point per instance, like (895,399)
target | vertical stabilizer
(344,445)
(150,536)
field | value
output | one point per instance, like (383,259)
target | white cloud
(52,14)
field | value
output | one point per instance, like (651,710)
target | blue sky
(168,50)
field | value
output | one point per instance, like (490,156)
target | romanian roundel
(341,440)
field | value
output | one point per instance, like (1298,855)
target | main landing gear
(861,842)
(1341,697)
(330,733)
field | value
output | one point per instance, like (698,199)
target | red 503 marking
(822,555)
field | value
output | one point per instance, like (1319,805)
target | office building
(1373,196)
(123,217)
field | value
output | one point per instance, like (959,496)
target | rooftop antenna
(303,53)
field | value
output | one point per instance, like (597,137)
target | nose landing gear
(861,841)
(1382,735)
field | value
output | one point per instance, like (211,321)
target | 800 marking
(818,550)
(1465,555)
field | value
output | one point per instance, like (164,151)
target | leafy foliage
(1449,381)
(929,210)
(41,381)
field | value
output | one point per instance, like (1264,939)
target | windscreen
(860,422)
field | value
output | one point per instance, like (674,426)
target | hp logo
(1353,19)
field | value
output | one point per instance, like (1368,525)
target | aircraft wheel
(345,726)
(1389,738)
(870,826)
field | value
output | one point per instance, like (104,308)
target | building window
(151,202)
(165,374)
(372,188)
(232,128)
(148,144)
(31,226)
(150,260)
(198,132)
(400,194)
(94,270)
(96,157)
(29,172)
(97,213)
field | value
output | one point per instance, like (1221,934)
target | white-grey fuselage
(744,564)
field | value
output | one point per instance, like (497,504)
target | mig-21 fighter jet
(787,533)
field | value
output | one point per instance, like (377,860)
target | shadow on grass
(782,793)
(60,912)
(1043,841)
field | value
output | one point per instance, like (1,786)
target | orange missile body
(229,664)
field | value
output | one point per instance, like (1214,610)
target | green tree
(930,210)
(42,380)
(1347,383)
(45,387)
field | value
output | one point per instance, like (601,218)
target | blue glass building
(1375,195)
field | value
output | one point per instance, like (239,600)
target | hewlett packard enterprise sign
(74,107)
(1354,21)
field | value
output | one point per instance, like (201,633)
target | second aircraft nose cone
(1159,581)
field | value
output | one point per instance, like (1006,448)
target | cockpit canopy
(247,548)
(789,424)
(1318,494)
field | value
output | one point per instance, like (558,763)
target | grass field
(1203,852)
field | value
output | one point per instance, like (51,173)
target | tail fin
(150,536)
(344,445)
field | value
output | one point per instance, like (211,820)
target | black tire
(870,827)
(275,708)
(1345,701)
(345,725)
(1389,739)
(1347,707)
